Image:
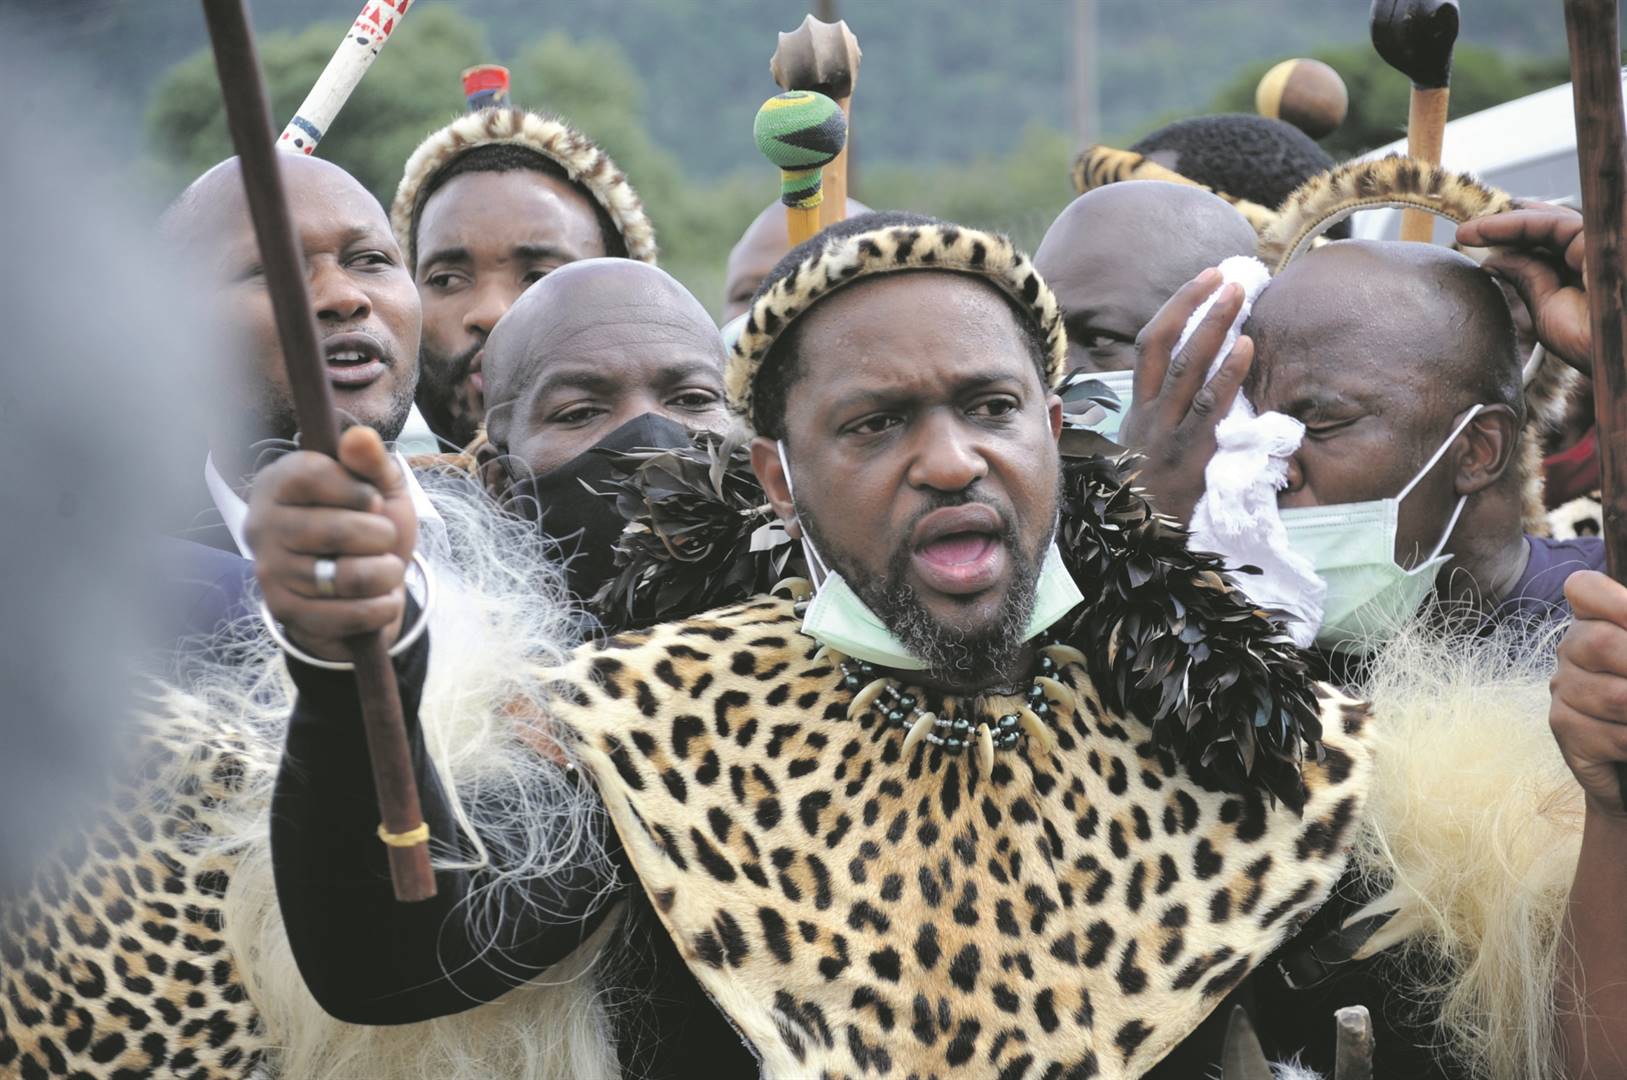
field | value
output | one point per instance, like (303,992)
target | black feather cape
(1166,636)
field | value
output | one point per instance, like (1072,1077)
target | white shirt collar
(234,511)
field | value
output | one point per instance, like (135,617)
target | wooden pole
(1596,90)
(823,56)
(249,121)
(1601,151)
(1416,37)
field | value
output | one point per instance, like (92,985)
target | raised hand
(1541,256)
(1588,707)
(308,508)
(1173,412)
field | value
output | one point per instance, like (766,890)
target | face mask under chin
(585,525)
(839,617)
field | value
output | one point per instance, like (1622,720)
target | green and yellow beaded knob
(800,132)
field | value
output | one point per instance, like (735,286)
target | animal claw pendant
(981,724)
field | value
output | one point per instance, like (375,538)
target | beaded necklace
(987,722)
(997,727)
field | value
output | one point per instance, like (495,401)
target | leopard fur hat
(832,259)
(579,156)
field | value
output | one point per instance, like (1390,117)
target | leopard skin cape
(861,911)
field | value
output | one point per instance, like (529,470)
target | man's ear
(1053,409)
(765,462)
(1490,444)
(489,465)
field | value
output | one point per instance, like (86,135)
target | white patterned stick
(355,55)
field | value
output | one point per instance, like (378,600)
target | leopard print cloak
(857,911)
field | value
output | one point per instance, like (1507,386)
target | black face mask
(585,525)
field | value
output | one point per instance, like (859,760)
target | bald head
(1416,317)
(1117,253)
(1381,349)
(764,243)
(593,345)
(367,309)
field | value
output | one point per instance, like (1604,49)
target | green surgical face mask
(839,619)
(1352,547)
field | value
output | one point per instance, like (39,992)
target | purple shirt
(1540,593)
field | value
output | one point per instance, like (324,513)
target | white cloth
(1237,516)
(233,510)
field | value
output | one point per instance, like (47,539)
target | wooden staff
(801,132)
(249,121)
(1601,151)
(1416,37)
(823,57)
(356,53)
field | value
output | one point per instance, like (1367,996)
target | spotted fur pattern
(560,143)
(858,911)
(1098,166)
(899,247)
(112,963)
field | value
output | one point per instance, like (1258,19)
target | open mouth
(354,360)
(960,550)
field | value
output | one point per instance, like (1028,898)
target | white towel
(1237,516)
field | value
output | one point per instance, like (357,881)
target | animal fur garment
(1395,181)
(1097,166)
(891,249)
(1471,841)
(581,159)
(154,946)
(857,908)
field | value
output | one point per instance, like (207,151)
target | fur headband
(583,162)
(1098,166)
(887,249)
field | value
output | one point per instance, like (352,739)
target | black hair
(782,366)
(511,157)
(1247,157)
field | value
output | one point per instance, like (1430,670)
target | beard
(442,394)
(971,658)
(274,418)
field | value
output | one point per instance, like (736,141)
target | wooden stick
(1353,1056)
(356,53)
(1416,37)
(249,121)
(823,57)
(1601,151)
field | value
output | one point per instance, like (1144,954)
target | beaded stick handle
(356,53)
(800,132)
(822,57)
